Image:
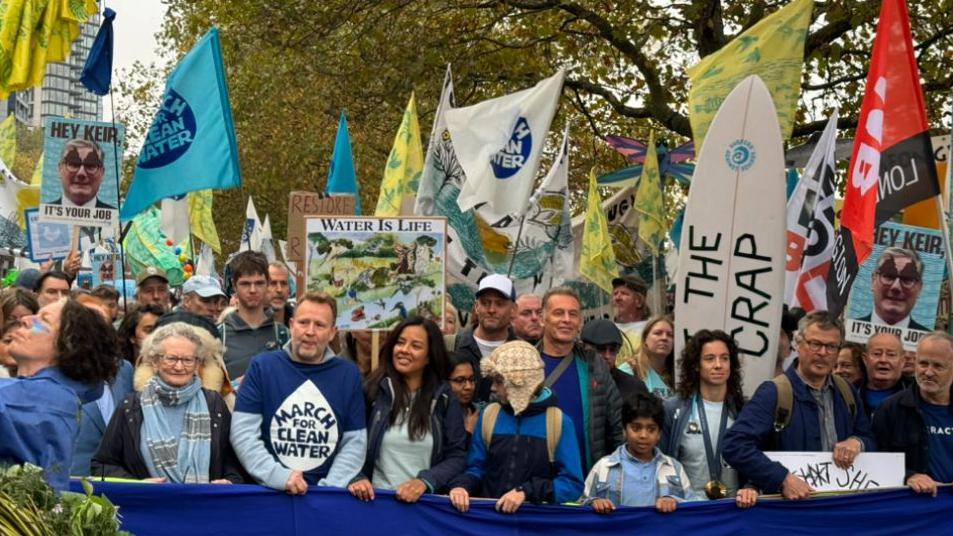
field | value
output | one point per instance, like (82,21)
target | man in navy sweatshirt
(299,416)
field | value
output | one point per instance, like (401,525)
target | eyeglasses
(888,278)
(90,167)
(463,380)
(188,360)
(816,346)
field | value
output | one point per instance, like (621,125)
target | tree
(292,66)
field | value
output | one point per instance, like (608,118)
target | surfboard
(731,259)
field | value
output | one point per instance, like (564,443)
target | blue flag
(97,73)
(191,144)
(341,176)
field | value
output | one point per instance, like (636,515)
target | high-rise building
(62,94)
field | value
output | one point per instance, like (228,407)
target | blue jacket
(39,421)
(753,432)
(449,455)
(517,456)
(92,426)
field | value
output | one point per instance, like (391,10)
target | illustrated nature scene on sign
(380,270)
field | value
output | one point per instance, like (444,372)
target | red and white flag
(810,227)
(892,164)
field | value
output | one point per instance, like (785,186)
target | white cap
(499,283)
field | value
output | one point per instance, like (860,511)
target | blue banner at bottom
(245,509)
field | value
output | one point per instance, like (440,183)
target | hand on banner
(156,480)
(846,451)
(411,490)
(221,481)
(795,488)
(296,484)
(362,489)
(73,263)
(511,501)
(922,483)
(666,505)
(746,498)
(603,506)
(460,499)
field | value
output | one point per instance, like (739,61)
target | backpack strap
(490,413)
(782,411)
(554,431)
(847,394)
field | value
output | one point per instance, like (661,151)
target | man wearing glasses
(896,285)
(81,173)
(826,414)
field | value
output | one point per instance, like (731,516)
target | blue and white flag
(191,144)
(341,177)
(499,142)
(251,232)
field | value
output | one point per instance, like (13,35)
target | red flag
(892,163)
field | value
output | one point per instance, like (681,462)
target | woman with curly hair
(655,362)
(65,354)
(707,402)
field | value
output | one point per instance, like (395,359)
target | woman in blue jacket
(416,442)
(65,354)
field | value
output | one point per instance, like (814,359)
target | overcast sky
(136,24)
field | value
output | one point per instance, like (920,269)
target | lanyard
(713,454)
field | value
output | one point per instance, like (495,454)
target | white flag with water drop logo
(499,142)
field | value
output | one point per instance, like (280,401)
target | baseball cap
(151,271)
(499,283)
(631,281)
(205,286)
(601,332)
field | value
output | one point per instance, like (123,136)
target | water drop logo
(511,159)
(170,135)
(740,155)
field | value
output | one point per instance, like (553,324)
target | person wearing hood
(65,354)
(524,448)
(416,440)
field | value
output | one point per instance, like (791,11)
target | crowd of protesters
(526,404)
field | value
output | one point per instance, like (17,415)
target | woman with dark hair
(708,401)
(850,364)
(655,362)
(416,442)
(462,380)
(134,328)
(64,354)
(15,303)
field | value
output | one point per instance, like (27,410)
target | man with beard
(495,298)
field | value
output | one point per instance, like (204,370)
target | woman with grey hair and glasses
(173,430)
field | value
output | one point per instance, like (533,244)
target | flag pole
(121,232)
(516,245)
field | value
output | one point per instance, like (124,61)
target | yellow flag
(404,165)
(34,33)
(597,261)
(37,178)
(772,49)
(27,198)
(200,219)
(8,140)
(648,201)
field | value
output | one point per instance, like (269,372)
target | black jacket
(119,456)
(899,427)
(449,455)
